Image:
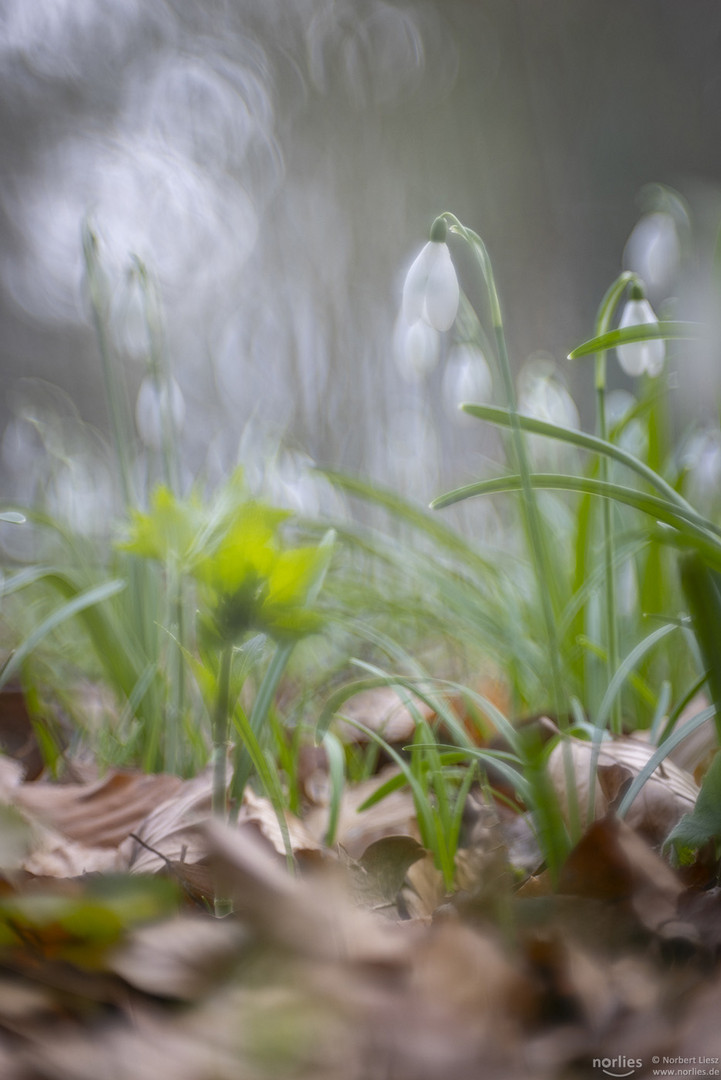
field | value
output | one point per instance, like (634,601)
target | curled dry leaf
(170,833)
(178,959)
(667,795)
(55,856)
(11,775)
(424,891)
(314,917)
(612,862)
(383,711)
(99,814)
(377,877)
(357,829)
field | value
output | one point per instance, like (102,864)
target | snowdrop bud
(637,357)
(466,377)
(431,289)
(417,351)
(152,405)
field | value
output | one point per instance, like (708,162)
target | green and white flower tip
(431,291)
(640,357)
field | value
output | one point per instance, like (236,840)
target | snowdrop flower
(637,357)
(416,349)
(653,250)
(431,291)
(151,407)
(467,377)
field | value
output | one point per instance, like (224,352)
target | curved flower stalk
(431,290)
(640,357)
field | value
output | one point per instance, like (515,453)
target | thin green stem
(533,519)
(603,323)
(221,723)
(112,393)
(535,532)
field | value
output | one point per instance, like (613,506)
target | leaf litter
(359,965)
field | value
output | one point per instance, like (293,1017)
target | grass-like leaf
(667,331)
(686,521)
(580,439)
(79,603)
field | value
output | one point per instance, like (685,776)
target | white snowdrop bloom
(543,396)
(416,349)
(639,357)
(153,405)
(466,377)
(653,250)
(431,292)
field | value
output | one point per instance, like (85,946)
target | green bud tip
(439,230)
(637,291)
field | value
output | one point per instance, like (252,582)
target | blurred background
(276,166)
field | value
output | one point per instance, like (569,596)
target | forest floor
(357,966)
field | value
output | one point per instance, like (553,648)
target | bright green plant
(247,580)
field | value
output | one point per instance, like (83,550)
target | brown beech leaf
(169,835)
(394,815)
(99,814)
(17,735)
(612,862)
(424,891)
(666,796)
(381,710)
(180,958)
(377,877)
(54,856)
(314,917)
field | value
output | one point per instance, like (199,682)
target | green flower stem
(159,371)
(603,324)
(221,724)
(258,718)
(533,520)
(544,575)
(118,414)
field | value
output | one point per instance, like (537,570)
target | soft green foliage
(703,826)
(198,615)
(247,579)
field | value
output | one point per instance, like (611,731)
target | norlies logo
(618,1066)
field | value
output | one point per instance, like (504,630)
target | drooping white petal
(637,357)
(420,350)
(653,249)
(153,405)
(442,292)
(414,287)
(466,377)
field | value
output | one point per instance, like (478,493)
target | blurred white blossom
(416,348)
(153,406)
(542,395)
(653,250)
(466,378)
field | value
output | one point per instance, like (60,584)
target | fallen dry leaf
(99,814)
(377,877)
(612,862)
(382,710)
(394,815)
(667,795)
(182,958)
(169,835)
